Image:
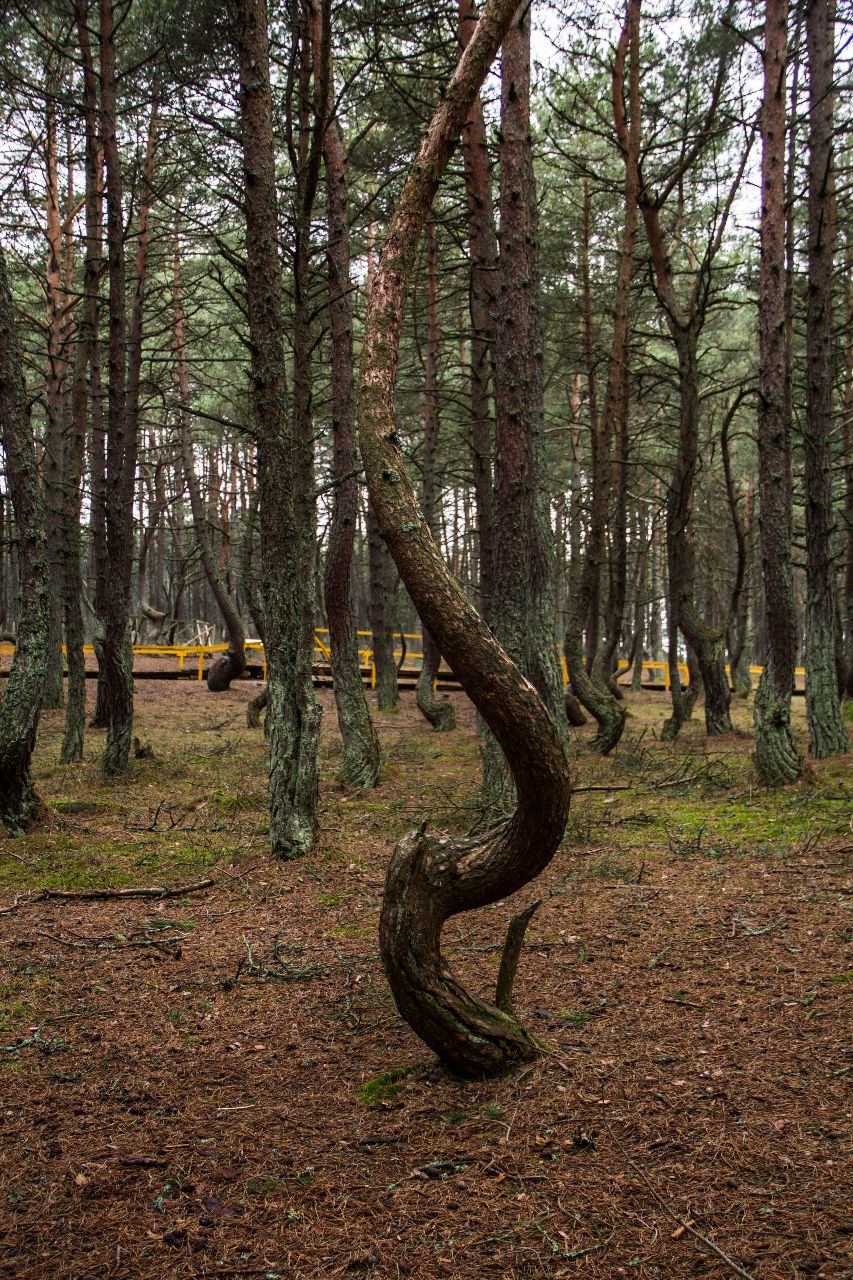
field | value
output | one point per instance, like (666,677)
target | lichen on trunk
(21,705)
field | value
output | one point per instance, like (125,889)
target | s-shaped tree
(433,877)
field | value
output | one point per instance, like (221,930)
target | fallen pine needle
(682,1225)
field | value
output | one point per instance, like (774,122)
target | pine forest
(426,639)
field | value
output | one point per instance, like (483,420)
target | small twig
(18,858)
(626,786)
(161,945)
(685,1226)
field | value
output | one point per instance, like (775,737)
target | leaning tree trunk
(19,710)
(431,878)
(231,665)
(823,705)
(437,711)
(362,754)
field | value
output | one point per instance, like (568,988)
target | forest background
(280,359)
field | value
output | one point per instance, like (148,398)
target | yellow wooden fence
(653,672)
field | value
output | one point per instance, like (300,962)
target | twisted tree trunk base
(230,666)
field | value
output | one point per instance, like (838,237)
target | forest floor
(218,1084)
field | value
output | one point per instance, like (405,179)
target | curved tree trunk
(19,710)
(362,753)
(231,665)
(593,695)
(433,877)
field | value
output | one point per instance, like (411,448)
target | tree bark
(847,446)
(823,705)
(56,394)
(432,878)
(19,710)
(125,362)
(117,661)
(437,711)
(75,440)
(523,596)
(586,673)
(482,293)
(777,761)
(283,464)
(381,573)
(617,398)
(362,753)
(231,665)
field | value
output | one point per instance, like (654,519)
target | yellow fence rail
(653,673)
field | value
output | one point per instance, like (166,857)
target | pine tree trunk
(483,254)
(847,446)
(431,878)
(823,705)
(56,373)
(776,759)
(707,643)
(362,754)
(75,443)
(381,573)
(117,657)
(586,675)
(284,462)
(231,665)
(19,710)
(523,597)
(437,711)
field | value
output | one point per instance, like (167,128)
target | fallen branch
(154,891)
(160,945)
(620,786)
